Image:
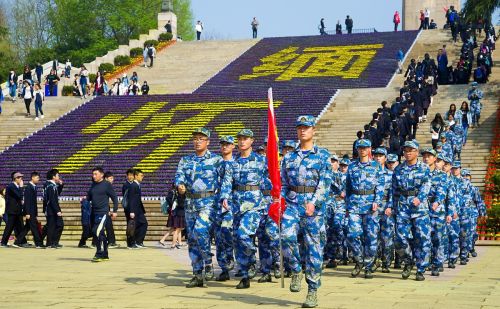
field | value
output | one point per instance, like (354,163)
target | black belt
(432,199)
(266,192)
(339,198)
(409,193)
(386,198)
(200,194)
(246,188)
(363,192)
(302,189)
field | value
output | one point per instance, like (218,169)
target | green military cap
(429,150)
(226,139)
(411,144)
(306,121)
(245,132)
(203,131)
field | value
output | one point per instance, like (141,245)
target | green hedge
(149,42)
(122,60)
(67,91)
(92,77)
(106,68)
(164,37)
(136,52)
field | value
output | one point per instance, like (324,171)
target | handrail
(360,30)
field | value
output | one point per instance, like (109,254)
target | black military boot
(406,271)
(265,278)
(209,273)
(244,284)
(224,276)
(331,264)
(435,272)
(195,282)
(368,274)
(252,272)
(451,264)
(357,269)
(473,253)
(463,262)
(419,276)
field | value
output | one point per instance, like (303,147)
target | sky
(230,19)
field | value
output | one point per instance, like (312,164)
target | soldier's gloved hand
(435,206)
(309,209)
(448,219)
(416,202)
(181,189)
(132,215)
(374,207)
(388,212)
(225,204)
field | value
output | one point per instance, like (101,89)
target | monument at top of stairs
(411,12)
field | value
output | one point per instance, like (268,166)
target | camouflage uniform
(387,223)
(200,175)
(268,237)
(333,231)
(305,177)
(244,188)
(475,95)
(364,186)
(478,210)
(465,214)
(412,222)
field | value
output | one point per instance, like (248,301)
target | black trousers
(151,59)
(27,103)
(130,240)
(141,227)
(55,226)
(99,232)
(110,232)
(14,223)
(32,225)
(86,234)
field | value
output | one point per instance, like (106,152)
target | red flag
(276,209)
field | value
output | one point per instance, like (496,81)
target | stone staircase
(353,108)
(184,66)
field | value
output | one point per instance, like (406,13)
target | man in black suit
(125,204)
(52,210)
(14,210)
(31,211)
(137,211)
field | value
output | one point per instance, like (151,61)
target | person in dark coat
(349,24)
(55,223)
(137,211)
(14,210)
(31,211)
(125,205)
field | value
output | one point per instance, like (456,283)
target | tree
(479,9)
(185,19)
(8,58)
(29,26)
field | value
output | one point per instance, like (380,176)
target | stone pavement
(155,278)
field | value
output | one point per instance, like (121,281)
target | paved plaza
(155,278)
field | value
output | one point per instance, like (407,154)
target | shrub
(92,77)
(67,91)
(149,42)
(164,37)
(106,68)
(122,60)
(135,52)
(41,55)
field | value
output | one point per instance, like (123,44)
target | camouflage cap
(439,144)
(411,144)
(345,161)
(380,150)
(203,131)
(444,157)
(306,121)
(334,157)
(456,164)
(429,150)
(465,172)
(289,143)
(392,157)
(474,84)
(226,139)
(245,132)
(363,143)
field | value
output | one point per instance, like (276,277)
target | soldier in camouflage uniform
(460,223)
(332,231)
(478,211)
(475,95)
(386,235)
(340,219)
(465,213)
(197,176)
(411,185)
(305,177)
(224,218)
(243,187)
(392,163)
(439,213)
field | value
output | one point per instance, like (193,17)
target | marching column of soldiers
(373,211)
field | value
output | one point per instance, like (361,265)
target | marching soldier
(305,177)
(197,176)
(411,186)
(242,184)
(364,194)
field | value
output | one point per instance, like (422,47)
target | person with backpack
(151,55)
